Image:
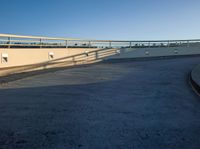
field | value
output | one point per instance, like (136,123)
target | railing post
(89,44)
(9,42)
(110,44)
(188,43)
(66,44)
(130,44)
(40,43)
(96,55)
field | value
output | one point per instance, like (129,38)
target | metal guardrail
(15,41)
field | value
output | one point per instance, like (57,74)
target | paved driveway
(121,105)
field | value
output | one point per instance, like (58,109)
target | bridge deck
(141,104)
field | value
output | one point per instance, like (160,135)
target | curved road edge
(195,79)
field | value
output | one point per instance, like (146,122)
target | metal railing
(15,41)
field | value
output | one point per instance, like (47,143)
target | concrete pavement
(127,105)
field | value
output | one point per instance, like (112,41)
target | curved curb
(195,79)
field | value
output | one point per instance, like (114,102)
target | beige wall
(156,52)
(21,60)
(20,57)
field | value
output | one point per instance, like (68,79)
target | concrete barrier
(156,52)
(195,79)
(24,60)
(15,60)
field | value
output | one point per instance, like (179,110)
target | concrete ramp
(132,104)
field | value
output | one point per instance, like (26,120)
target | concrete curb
(195,79)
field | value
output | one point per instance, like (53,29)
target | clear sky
(102,19)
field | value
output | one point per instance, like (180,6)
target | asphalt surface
(122,105)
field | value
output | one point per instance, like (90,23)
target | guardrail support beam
(9,42)
(188,43)
(110,44)
(40,43)
(89,44)
(66,44)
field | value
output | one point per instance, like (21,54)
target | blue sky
(102,19)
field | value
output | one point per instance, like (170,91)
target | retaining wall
(20,60)
(156,52)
